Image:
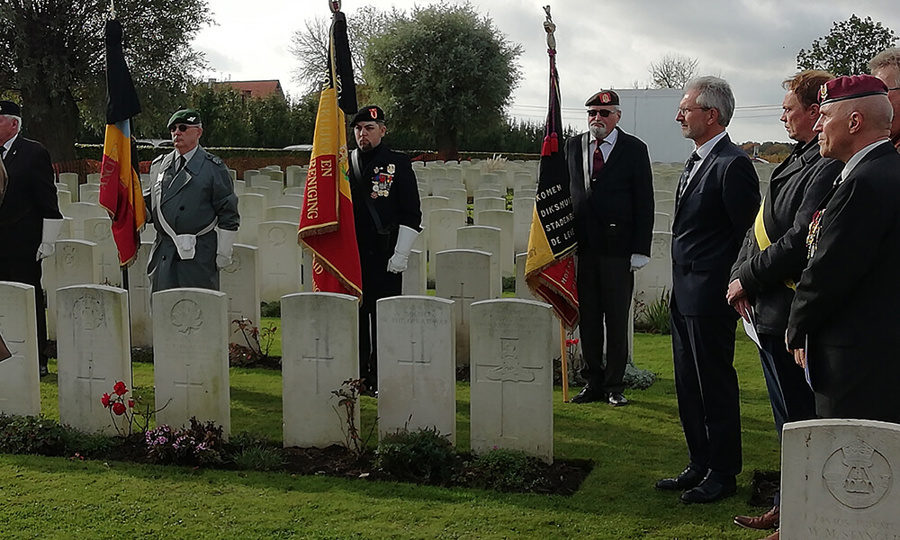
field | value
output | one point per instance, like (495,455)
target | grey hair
(887,58)
(714,93)
(18,118)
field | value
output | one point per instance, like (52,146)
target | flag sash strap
(762,238)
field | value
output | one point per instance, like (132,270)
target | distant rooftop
(252,89)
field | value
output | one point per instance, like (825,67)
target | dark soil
(563,477)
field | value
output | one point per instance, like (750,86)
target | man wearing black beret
(388,219)
(612,195)
(30,219)
(192,204)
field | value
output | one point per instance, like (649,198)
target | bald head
(846,127)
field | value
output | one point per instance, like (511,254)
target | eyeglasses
(180,127)
(602,112)
(892,89)
(684,110)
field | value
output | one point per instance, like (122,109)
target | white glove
(49,233)
(405,238)
(225,247)
(638,261)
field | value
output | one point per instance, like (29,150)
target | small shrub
(507,470)
(419,456)
(32,435)
(251,452)
(270,309)
(258,344)
(509,284)
(199,444)
(654,318)
(348,400)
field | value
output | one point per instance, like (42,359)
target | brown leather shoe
(773,536)
(769,520)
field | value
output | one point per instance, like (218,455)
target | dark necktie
(683,181)
(180,164)
(598,163)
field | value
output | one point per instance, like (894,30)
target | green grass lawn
(632,447)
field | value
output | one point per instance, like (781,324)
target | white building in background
(650,115)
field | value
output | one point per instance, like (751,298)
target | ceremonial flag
(549,266)
(120,185)
(326,219)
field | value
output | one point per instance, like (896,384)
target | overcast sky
(601,44)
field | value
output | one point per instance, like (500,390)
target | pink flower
(105,400)
(120,389)
(118,408)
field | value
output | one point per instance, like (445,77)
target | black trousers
(792,398)
(378,283)
(24,269)
(707,387)
(605,291)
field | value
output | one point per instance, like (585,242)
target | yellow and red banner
(120,184)
(327,228)
(549,265)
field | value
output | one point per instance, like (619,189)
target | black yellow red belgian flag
(550,266)
(326,219)
(120,185)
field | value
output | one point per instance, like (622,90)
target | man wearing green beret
(192,204)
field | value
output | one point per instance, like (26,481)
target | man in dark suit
(844,320)
(716,199)
(774,255)
(388,218)
(30,219)
(194,209)
(612,195)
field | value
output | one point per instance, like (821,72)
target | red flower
(120,389)
(130,403)
(105,400)
(118,408)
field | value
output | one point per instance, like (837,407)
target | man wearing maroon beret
(843,323)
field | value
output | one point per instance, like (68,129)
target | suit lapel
(184,176)
(10,157)
(702,172)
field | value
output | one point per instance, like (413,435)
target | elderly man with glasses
(612,195)
(194,209)
(886,66)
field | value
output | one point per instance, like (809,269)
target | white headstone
(512,377)
(248,174)
(20,387)
(837,479)
(93,344)
(656,277)
(523,214)
(319,352)
(81,211)
(240,282)
(93,178)
(252,207)
(417,365)
(190,357)
(456,197)
(279,260)
(295,175)
(71,180)
(505,221)
(139,299)
(99,231)
(77,263)
(288,199)
(441,231)
(290,214)
(414,281)
(487,239)
(463,276)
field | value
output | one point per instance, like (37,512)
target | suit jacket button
(181,208)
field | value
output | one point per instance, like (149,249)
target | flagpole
(565,362)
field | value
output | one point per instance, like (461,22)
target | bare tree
(673,71)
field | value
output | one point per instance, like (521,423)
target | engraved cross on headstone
(509,373)
(463,306)
(188,386)
(318,359)
(90,379)
(413,360)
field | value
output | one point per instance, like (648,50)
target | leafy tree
(673,71)
(52,54)
(442,70)
(847,49)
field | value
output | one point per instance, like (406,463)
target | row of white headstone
(511,367)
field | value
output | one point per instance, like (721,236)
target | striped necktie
(683,181)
